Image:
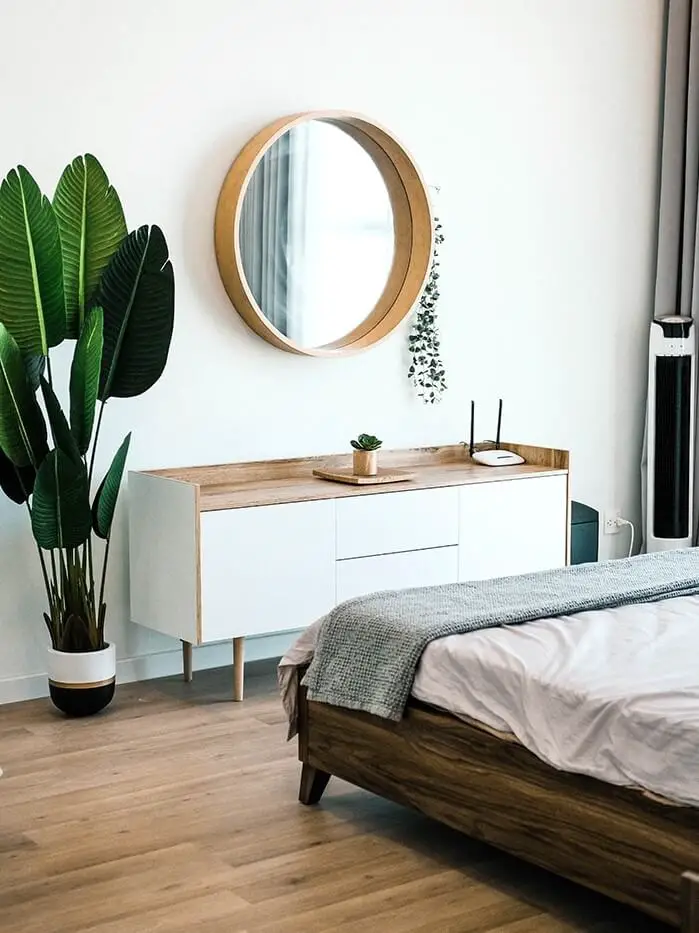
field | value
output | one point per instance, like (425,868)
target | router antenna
(473,418)
(497,436)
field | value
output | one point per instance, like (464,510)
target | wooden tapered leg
(187,661)
(238,668)
(313,783)
(690,903)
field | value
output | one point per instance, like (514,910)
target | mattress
(613,694)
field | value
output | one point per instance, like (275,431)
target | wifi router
(496,457)
(492,458)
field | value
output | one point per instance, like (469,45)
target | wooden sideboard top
(271,482)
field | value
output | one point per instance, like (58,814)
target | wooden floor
(175,811)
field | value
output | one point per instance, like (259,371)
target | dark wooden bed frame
(615,840)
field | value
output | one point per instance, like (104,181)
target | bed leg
(313,783)
(690,903)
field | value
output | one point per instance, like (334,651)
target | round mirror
(323,233)
(316,213)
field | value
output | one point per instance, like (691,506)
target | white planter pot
(82,683)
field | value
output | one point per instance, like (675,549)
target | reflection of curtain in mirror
(298,217)
(264,233)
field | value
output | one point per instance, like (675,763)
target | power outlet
(611,525)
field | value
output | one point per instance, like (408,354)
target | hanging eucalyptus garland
(427,369)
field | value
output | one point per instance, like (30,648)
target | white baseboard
(150,666)
(26,687)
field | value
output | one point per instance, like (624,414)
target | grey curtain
(264,232)
(300,214)
(676,275)
(677,269)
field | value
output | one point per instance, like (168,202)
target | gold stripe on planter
(90,686)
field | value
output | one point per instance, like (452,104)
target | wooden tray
(345,475)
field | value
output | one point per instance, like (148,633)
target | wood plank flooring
(176,811)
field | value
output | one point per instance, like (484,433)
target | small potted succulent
(364,455)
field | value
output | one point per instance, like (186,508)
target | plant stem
(86,564)
(44,572)
(56,590)
(90,566)
(88,543)
(48,370)
(94,444)
(104,572)
(41,557)
(64,567)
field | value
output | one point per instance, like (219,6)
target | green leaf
(34,367)
(106,499)
(84,379)
(61,515)
(91,225)
(16,482)
(22,425)
(137,293)
(62,437)
(367,442)
(32,306)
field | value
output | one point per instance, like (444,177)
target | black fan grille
(672,446)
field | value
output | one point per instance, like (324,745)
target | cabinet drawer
(397,521)
(363,575)
(266,569)
(513,526)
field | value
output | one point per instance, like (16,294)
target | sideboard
(224,552)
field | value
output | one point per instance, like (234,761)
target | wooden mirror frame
(412,223)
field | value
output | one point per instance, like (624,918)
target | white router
(498,456)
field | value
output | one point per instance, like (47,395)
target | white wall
(538,119)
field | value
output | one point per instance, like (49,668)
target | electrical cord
(625,521)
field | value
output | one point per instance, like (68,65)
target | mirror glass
(316,234)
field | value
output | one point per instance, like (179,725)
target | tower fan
(670,437)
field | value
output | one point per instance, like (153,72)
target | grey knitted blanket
(369,648)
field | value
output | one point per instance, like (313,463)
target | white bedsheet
(613,694)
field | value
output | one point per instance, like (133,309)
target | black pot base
(82,700)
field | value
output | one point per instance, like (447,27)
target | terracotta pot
(81,683)
(364,462)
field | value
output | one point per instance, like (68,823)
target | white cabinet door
(512,526)
(266,569)
(363,575)
(397,521)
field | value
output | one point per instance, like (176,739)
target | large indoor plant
(70,270)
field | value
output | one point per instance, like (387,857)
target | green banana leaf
(61,516)
(137,293)
(85,378)
(16,482)
(32,305)
(105,502)
(34,367)
(22,425)
(91,225)
(62,436)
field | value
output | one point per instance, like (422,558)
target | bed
(468,754)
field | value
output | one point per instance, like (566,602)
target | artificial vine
(427,369)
